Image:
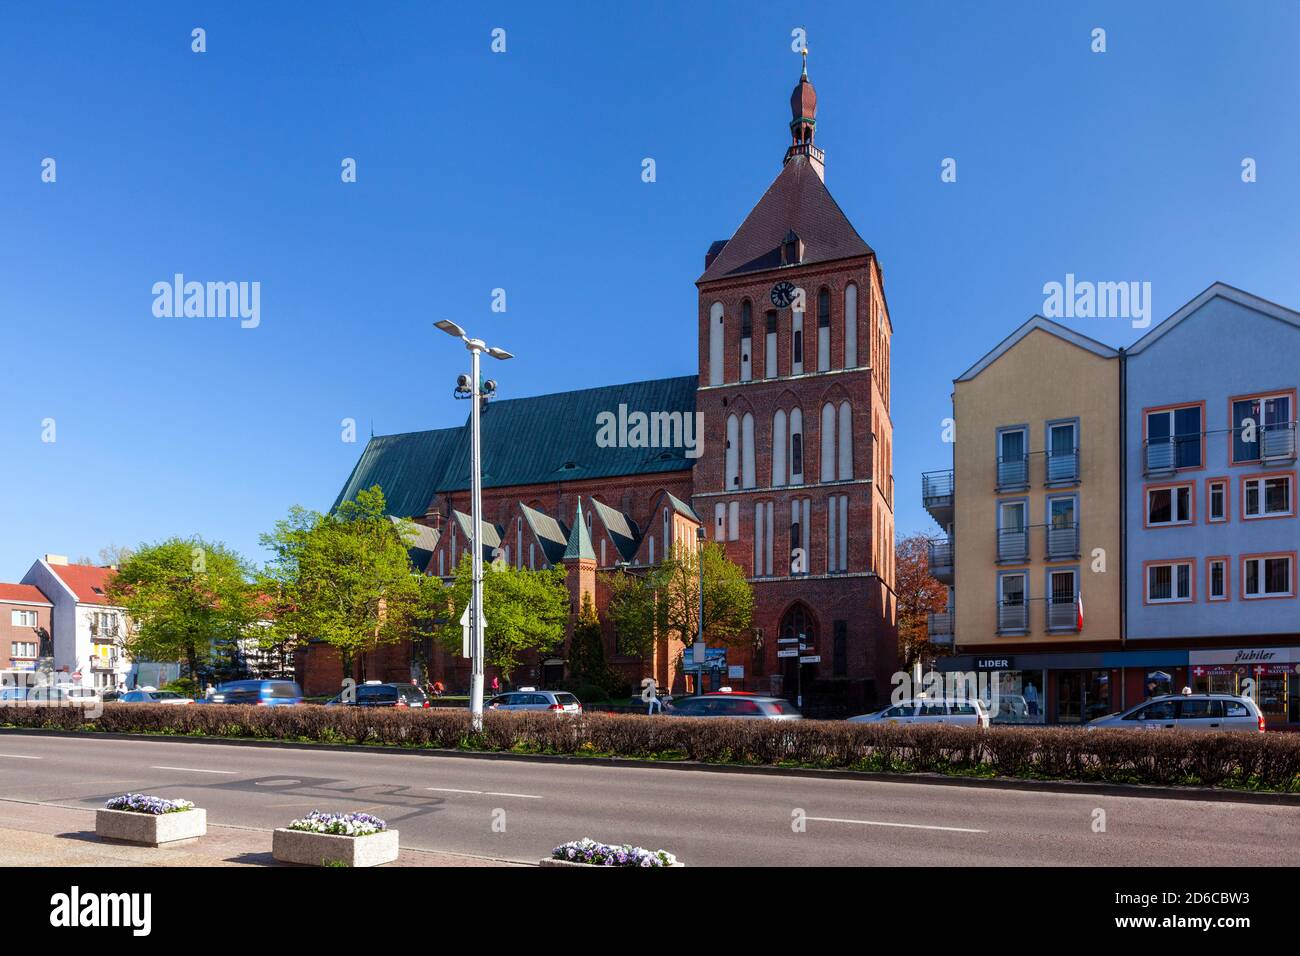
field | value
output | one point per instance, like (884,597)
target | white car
(963,712)
(65,694)
(1187,712)
(529,698)
(153,697)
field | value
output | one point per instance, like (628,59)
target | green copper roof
(526,441)
(580,540)
(406,467)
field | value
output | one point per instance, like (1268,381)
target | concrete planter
(595,866)
(320,849)
(150,829)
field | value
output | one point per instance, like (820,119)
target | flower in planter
(339,824)
(589,851)
(143,803)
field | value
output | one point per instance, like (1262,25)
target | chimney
(61,559)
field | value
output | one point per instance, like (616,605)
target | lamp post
(701,656)
(476,618)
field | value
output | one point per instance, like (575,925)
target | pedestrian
(438,689)
(496,685)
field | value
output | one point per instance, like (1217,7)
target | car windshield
(382,692)
(565,699)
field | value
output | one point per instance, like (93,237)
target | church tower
(796,478)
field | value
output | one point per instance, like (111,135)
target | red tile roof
(86,581)
(22,592)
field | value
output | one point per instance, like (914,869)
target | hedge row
(1237,760)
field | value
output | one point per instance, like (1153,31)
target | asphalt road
(519,810)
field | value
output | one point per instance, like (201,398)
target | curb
(1153,791)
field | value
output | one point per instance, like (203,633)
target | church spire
(803,121)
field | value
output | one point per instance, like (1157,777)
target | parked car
(529,698)
(1187,712)
(12,693)
(268,693)
(153,697)
(962,712)
(735,704)
(64,694)
(375,693)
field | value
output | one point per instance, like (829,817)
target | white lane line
(21,757)
(522,796)
(193,770)
(452,790)
(908,826)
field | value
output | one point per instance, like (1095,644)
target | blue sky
(522,171)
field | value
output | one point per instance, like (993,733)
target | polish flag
(1079,607)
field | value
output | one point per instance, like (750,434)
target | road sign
(787,640)
(790,653)
(814,659)
(465,631)
(806,647)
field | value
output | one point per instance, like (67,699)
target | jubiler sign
(1246,655)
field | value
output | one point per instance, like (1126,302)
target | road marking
(522,796)
(452,790)
(486,793)
(908,826)
(193,770)
(21,757)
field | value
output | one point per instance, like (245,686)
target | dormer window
(791,249)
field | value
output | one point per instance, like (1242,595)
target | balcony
(1277,443)
(937,495)
(941,560)
(1063,467)
(1013,617)
(1162,457)
(1062,542)
(103,662)
(1013,473)
(1013,545)
(940,630)
(1063,614)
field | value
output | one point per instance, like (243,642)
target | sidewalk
(48,835)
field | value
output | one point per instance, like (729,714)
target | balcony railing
(941,559)
(940,628)
(1062,541)
(1063,467)
(1278,442)
(1063,614)
(1164,456)
(1012,617)
(937,495)
(1013,473)
(1013,544)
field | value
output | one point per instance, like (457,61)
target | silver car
(967,712)
(744,706)
(530,698)
(1187,712)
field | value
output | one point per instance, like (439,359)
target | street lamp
(701,656)
(476,618)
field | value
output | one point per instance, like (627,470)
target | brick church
(794,473)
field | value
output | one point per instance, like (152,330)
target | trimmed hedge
(1234,760)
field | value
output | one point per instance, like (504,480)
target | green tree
(186,599)
(525,610)
(666,600)
(587,661)
(346,578)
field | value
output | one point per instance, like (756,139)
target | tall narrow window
(832,534)
(824,330)
(733,521)
(746,340)
(846,442)
(769,346)
(759,545)
(828,442)
(748,478)
(720,521)
(843,563)
(717,332)
(1217,500)
(840,648)
(1216,573)
(851,326)
(732,458)
(796,343)
(778,448)
(796,447)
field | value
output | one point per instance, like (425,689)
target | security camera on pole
(474,615)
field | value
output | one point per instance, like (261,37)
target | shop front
(1269,675)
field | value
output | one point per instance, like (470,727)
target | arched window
(748,477)
(846,441)
(828,442)
(732,477)
(778,448)
(823,329)
(769,346)
(716,340)
(850,326)
(796,446)
(746,340)
(798,622)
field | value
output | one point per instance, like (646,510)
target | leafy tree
(917,593)
(587,661)
(525,610)
(185,598)
(345,577)
(666,600)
